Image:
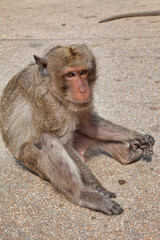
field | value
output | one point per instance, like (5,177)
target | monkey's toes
(112,195)
(107,193)
(112,207)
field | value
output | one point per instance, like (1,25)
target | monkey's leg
(53,161)
(88,178)
(123,152)
(81,143)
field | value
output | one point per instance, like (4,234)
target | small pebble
(121,182)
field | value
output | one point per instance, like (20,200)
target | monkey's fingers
(134,144)
(144,142)
(147,156)
(146,145)
(147,140)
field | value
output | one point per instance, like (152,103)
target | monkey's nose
(83,91)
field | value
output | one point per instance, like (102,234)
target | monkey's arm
(98,128)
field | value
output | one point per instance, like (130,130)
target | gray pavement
(127,92)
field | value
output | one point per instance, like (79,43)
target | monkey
(48,122)
(133,14)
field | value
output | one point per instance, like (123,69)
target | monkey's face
(76,84)
(72,72)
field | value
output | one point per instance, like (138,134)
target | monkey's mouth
(82,101)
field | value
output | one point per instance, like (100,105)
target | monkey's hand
(145,143)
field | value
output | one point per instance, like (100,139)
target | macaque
(48,122)
(131,15)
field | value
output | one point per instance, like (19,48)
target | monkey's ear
(41,62)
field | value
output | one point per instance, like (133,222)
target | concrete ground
(127,92)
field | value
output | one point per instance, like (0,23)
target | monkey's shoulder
(20,79)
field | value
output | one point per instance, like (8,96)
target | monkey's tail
(134,14)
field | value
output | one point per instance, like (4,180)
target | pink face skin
(76,80)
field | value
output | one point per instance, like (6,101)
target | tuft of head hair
(70,56)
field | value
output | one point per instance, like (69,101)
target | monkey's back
(15,114)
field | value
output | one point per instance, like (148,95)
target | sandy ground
(127,92)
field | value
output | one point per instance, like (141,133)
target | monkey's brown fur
(48,122)
(134,14)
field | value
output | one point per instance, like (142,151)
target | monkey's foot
(145,143)
(98,202)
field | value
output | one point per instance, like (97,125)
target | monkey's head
(72,72)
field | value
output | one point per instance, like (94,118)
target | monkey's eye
(70,74)
(83,72)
